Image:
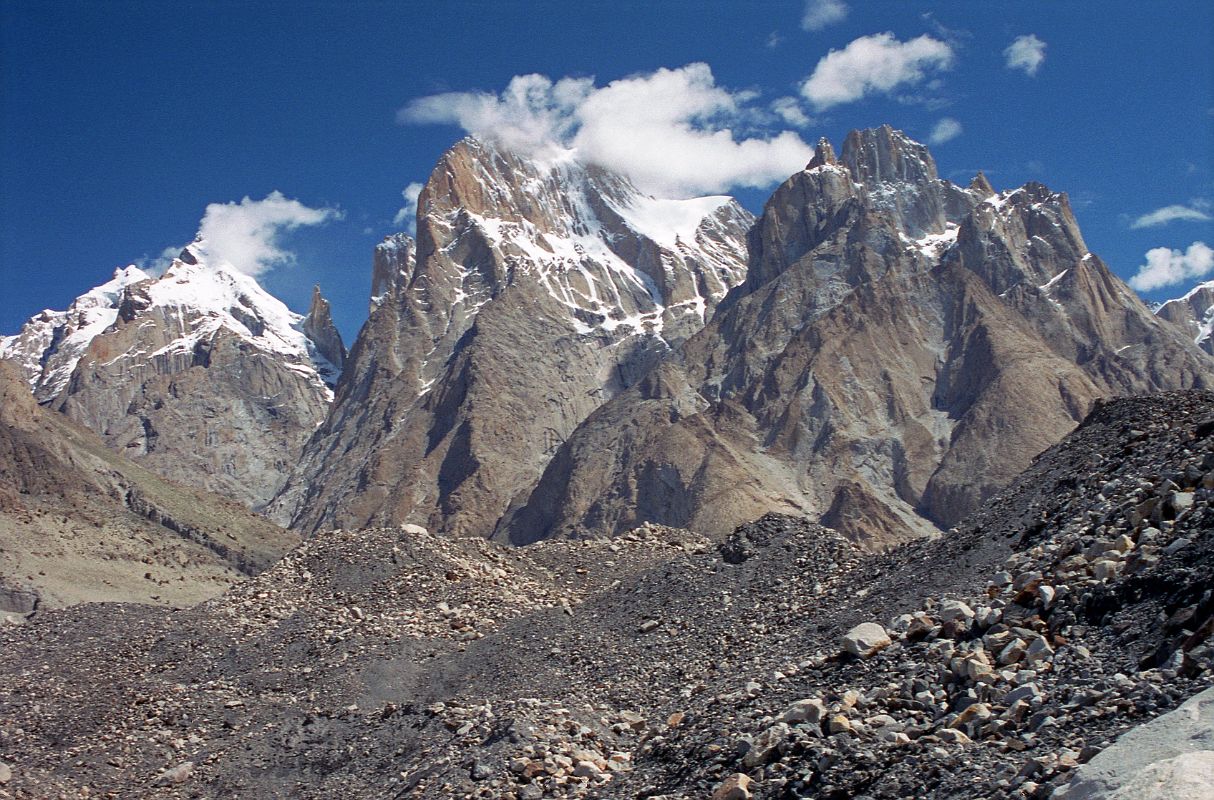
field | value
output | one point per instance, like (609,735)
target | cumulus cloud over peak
(875,64)
(244,236)
(1168,267)
(671,131)
(820,14)
(1197,212)
(1026,53)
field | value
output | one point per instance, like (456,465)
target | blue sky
(122,122)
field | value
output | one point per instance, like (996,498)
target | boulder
(1169,758)
(866,639)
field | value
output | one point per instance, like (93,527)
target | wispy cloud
(821,14)
(670,131)
(789,109)
(407,215)
(875,64)
(1026,53)
(1198,211)
(1168,267)
(945,130)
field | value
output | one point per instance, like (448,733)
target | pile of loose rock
(783,662)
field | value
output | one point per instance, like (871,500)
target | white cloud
(820,14)
(407,215)
(1167,267)
(774,40)
(946,129)
(873,64)
(789,109)
(1162,216)
(1026,53)
(244,236)
(669,131)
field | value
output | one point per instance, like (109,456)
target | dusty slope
(390,663)
(80,523)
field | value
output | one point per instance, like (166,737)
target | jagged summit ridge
(612,256)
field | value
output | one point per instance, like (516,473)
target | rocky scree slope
(396,663)
(198,374)
(80,523)
(535,292)
(901,348)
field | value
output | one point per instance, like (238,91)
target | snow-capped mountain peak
(1194,311)
(194,299)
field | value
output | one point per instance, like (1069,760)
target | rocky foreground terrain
(780,662)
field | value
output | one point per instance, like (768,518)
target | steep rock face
(902,348)
(318,326)
(1195,313)
(199,374)
(81,523)
(535,292)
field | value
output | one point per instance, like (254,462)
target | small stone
(586,769)
(866,639)
(955,611)
(648,626)
(1013,652)
(633,720)
(6,773)
(839,724)
(1176,546)
(413,530)
(175,775)
(1026,692)
(765,745)
(1180,502)
(1039,650)
(920,627)
(675,719)
(735,787)
(977,711)
(810,710)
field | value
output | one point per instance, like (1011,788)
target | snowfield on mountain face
(669,222)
